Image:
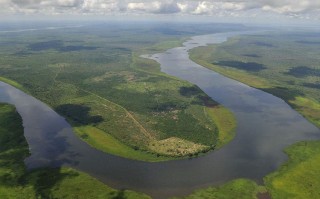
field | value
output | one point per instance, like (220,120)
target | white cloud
(99,6)
(204,7)
(144,6)
(293,6)
(298,8)
(183,7)
(160,7)
(232,6)
(137,6)
(167,7)
(68,3)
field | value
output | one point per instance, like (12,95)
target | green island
(117,101)
(284,64)
(16,182)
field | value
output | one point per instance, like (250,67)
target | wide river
(266,125)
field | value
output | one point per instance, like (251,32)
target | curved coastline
(266,125)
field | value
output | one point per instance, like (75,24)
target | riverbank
(230,58)
(262,65)
(299,177)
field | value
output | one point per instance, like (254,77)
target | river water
(266,125)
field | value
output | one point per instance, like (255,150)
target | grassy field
(226,123)
(285,64)
(236,189)
(107,143)
(299,177)
(95,78)
(18,183)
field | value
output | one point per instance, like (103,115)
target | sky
(305,10)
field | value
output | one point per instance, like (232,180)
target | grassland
(107,143)
(94,77)
(226,123)
(299,177)
(16,182)
(285,64)
(236,189)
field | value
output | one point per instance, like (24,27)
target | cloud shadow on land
(284,93)
(303,71)
(248,66)
(200,97)
(312,85)
(79,114)
(58,45)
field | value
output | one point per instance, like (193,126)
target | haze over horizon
(268,11)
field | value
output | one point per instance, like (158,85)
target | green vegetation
(299,177)
(285,64)
(226,123)
(12,83)
(236,189)
(94,77)
(13,149)
(16,182)
(69,183)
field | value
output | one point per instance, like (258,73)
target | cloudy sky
(294,9)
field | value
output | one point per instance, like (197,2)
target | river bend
(266,125)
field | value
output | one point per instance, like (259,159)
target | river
(266,125)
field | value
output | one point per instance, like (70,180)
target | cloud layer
(295,8)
